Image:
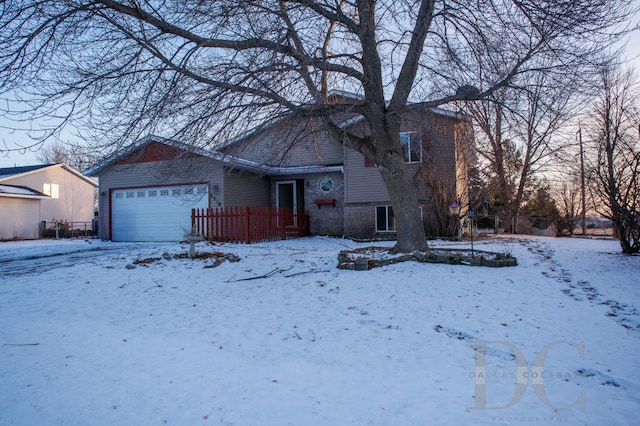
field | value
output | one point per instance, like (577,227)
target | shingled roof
(10,171)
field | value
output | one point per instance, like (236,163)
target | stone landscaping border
(365,258)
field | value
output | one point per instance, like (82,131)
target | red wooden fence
(249,224)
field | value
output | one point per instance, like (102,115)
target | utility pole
(584,197)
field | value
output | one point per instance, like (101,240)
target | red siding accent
(155,151)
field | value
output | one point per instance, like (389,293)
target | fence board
(249,224)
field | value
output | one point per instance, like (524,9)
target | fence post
(248,228)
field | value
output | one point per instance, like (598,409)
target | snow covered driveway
(86,340)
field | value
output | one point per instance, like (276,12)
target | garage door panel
(155,214)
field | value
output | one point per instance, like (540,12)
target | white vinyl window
(385,219)
(51,189)
(411,147)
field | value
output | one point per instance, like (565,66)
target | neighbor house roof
(17,191)
(13,172)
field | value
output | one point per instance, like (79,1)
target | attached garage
(161,213)
(147,192)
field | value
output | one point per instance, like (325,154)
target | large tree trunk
(402,191)
(400,184)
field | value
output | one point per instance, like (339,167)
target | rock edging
(361,259)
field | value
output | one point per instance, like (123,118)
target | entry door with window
(289,195)
(286,195)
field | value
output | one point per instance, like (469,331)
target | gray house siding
(446,142)
(363,184)
(244,189)
(289,143)
(363,181)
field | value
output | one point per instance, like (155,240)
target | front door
(286,195)
(290,195)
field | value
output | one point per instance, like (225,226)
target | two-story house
(147,192)
(48,192)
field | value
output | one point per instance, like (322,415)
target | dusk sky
(11,139)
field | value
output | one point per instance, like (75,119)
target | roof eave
(24,196)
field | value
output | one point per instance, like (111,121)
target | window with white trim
(385,219)
(411,147)
(51,189)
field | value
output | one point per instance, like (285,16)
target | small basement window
(385,219)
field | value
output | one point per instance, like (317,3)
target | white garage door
(155,214)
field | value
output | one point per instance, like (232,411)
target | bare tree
(205,71)
(73,155)
(521,131)
(568,202)
(615,131)
(439,221)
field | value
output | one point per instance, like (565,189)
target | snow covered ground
(86,341)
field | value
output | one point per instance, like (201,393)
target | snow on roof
(16,191)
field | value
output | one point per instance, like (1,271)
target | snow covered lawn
(86,341)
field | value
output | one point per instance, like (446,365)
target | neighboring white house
(50,192)
(19,212)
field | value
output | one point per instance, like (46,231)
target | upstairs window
(411,147)
(51,189)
